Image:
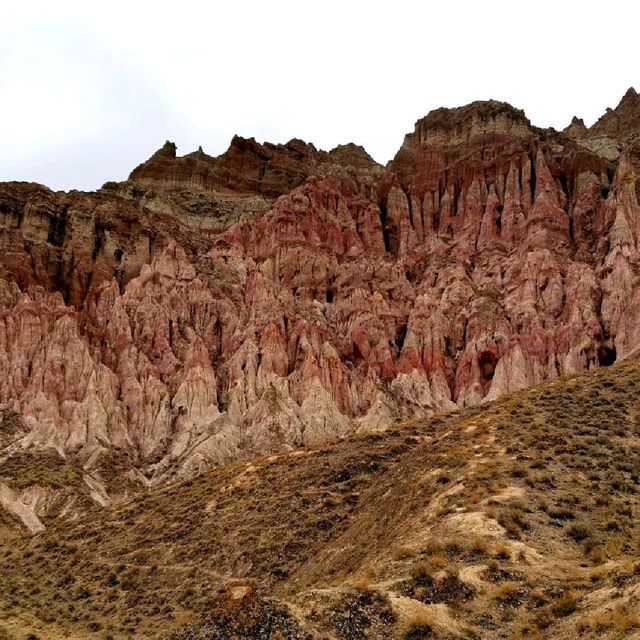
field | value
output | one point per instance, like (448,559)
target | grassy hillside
(519,518)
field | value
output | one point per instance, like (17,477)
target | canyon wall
(278,296)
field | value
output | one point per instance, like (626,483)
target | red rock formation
(212,308)
(621,123)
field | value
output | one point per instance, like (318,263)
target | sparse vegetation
(539,511)
(419,626)
(621,618)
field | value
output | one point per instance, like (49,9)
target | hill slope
(517,518)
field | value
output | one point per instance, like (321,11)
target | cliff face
(278,295)
(212,193)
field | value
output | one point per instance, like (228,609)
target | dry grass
(402,553)
(620,618)
(508,593)
(420,625)
(559,469)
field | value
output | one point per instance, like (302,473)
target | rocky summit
(211,309)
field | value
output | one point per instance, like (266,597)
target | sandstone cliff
(277,296)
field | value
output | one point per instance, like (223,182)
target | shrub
(513,521)
(508,593)
(453,546)
(566,604)
(444,588)
(418,631)
(432,546)
(503,552)
(479,546)
(420,625)
(560,513)
(578,532)
(614,546)
(401,553)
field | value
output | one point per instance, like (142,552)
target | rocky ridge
(209,309)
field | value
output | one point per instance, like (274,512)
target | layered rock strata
(277,296)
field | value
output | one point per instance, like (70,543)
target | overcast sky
(88,90)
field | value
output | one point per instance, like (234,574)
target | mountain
(512,519)
(214,309)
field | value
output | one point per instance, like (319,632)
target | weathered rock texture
(278,295)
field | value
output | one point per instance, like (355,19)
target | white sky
(88,90)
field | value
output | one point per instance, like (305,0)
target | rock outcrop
(278,295)
(212,193)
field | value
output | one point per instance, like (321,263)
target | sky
(88,90)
